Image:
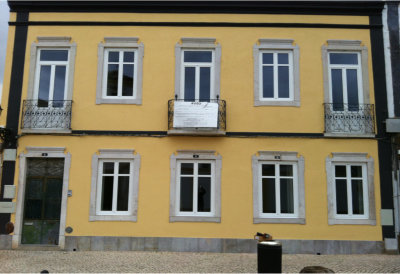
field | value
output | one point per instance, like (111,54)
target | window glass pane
(204,194)
(268,82)
(268,195)
(357,196)
(124,168)
(44,86)
(204,169)
(283,82)
(340,171)
(283,58)
(107,193)
(341,196)
(286,170)
(59,86)
(113,56)
(198,56)
(108,168)
(186,168)
(186,197)
(337,89)
(356,171)
(52,203)
(287,203)
(123,193)
(112,80)
(205,84)
(54,55)
(127,80)
(268,58)
(129,56)
(190,76)
(352,89)
(268,170)
(343,58)
(33,209)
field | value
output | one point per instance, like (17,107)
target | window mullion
(349,192)
(344,83)
(52,82)
(277,190)
(195,187)
(275,69)
(120,73)
(365,190)
(197,83)
(115,188)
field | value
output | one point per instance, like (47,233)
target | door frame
(41,152)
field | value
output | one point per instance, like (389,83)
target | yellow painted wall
(237,89)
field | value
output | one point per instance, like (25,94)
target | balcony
(349,119)
(46,116)
(196,117)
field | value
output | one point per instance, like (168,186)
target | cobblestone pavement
(125,261)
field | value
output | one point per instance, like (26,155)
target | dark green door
(42,206)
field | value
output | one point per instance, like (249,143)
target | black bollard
(269,257)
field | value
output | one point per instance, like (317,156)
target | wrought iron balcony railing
(40,114)
(349,118)
(197,114)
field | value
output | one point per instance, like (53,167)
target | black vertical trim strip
(393,25)
(384,144)
(13,108)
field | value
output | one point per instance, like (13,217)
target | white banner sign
(195,114)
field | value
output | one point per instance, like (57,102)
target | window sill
(201,132)
(173,219)
(119,101)
(128,218)
(349,135)
(351,222)
(276,220)
(46,130)
(258,103)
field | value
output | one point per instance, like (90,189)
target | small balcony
(349,119)
(196,117)
(46,116)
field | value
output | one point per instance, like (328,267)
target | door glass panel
(198,56)
(186,197)
(107,193)
(343,58)
(287,205)
(356,171)
(112,80)
(352,89)
(268,170)
(52,206)
(340,171)
(108,168)
(127,80)
(283,82)
(36,167)
(186,168)
(44,86)
(283,58)
(54,55)
(33,209)
(129,56)
(204,194)
(124,168)
(268,58)
(204,169)
(268,82)
(190,81)
(113,56)
(205,85)
(268,195)
(357,196)
(59,86)
(286,170)
(337,89)
(341,196)
(123,193)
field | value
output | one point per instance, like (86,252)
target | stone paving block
(83,243)
(137,244)
(70,243)
(210,245)
(124,243)
(97,243)
(150,244)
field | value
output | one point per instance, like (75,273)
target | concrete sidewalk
(128,261)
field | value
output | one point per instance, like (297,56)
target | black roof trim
(238,7)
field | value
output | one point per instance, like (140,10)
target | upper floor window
(120,71)
(276,73)
(197,69)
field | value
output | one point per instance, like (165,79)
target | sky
(4,15)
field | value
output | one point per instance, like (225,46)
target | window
(276,73)
(278,187)
(195,186)
(350,189)
(115,175)
(120,71)
(197,71)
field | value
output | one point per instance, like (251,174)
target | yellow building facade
(193,129)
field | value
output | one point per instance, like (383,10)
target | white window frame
(114,155)
(120,44)
(281,158)
(276,46)
(195,156)
(197,44)
(348,159)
